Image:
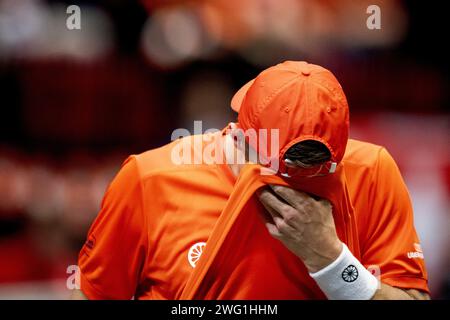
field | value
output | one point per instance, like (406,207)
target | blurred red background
(75,103)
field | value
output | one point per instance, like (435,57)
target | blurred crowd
(75,103)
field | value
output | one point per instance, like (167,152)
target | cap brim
(239,96)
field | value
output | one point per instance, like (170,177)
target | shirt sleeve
(392,249)
(111,259)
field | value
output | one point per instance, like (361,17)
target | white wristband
(346,279)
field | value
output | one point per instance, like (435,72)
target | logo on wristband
(350,273)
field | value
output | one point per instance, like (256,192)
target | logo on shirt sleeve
(89,244)
(417,254)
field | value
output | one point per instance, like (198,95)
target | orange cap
(304,101)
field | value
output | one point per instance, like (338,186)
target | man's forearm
(387,292)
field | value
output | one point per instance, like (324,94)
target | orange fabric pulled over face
(242,261)
(303,101)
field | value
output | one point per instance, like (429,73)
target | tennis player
(333,221)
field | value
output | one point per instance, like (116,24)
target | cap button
(306,72)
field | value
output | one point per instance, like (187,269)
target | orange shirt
(156,217)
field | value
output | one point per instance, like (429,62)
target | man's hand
(304,225)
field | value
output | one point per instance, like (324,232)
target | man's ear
(238,136)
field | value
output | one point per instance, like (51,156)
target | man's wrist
(326,258)
(346,278)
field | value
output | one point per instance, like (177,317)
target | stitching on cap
(336,93)
(308,107)
(268,99)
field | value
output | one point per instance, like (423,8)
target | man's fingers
(284,224)
(293,197)
(270,201)
(283,227)
(279,228)
(273,230)
(271,211)
(277,207)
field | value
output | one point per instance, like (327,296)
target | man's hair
(308,153)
